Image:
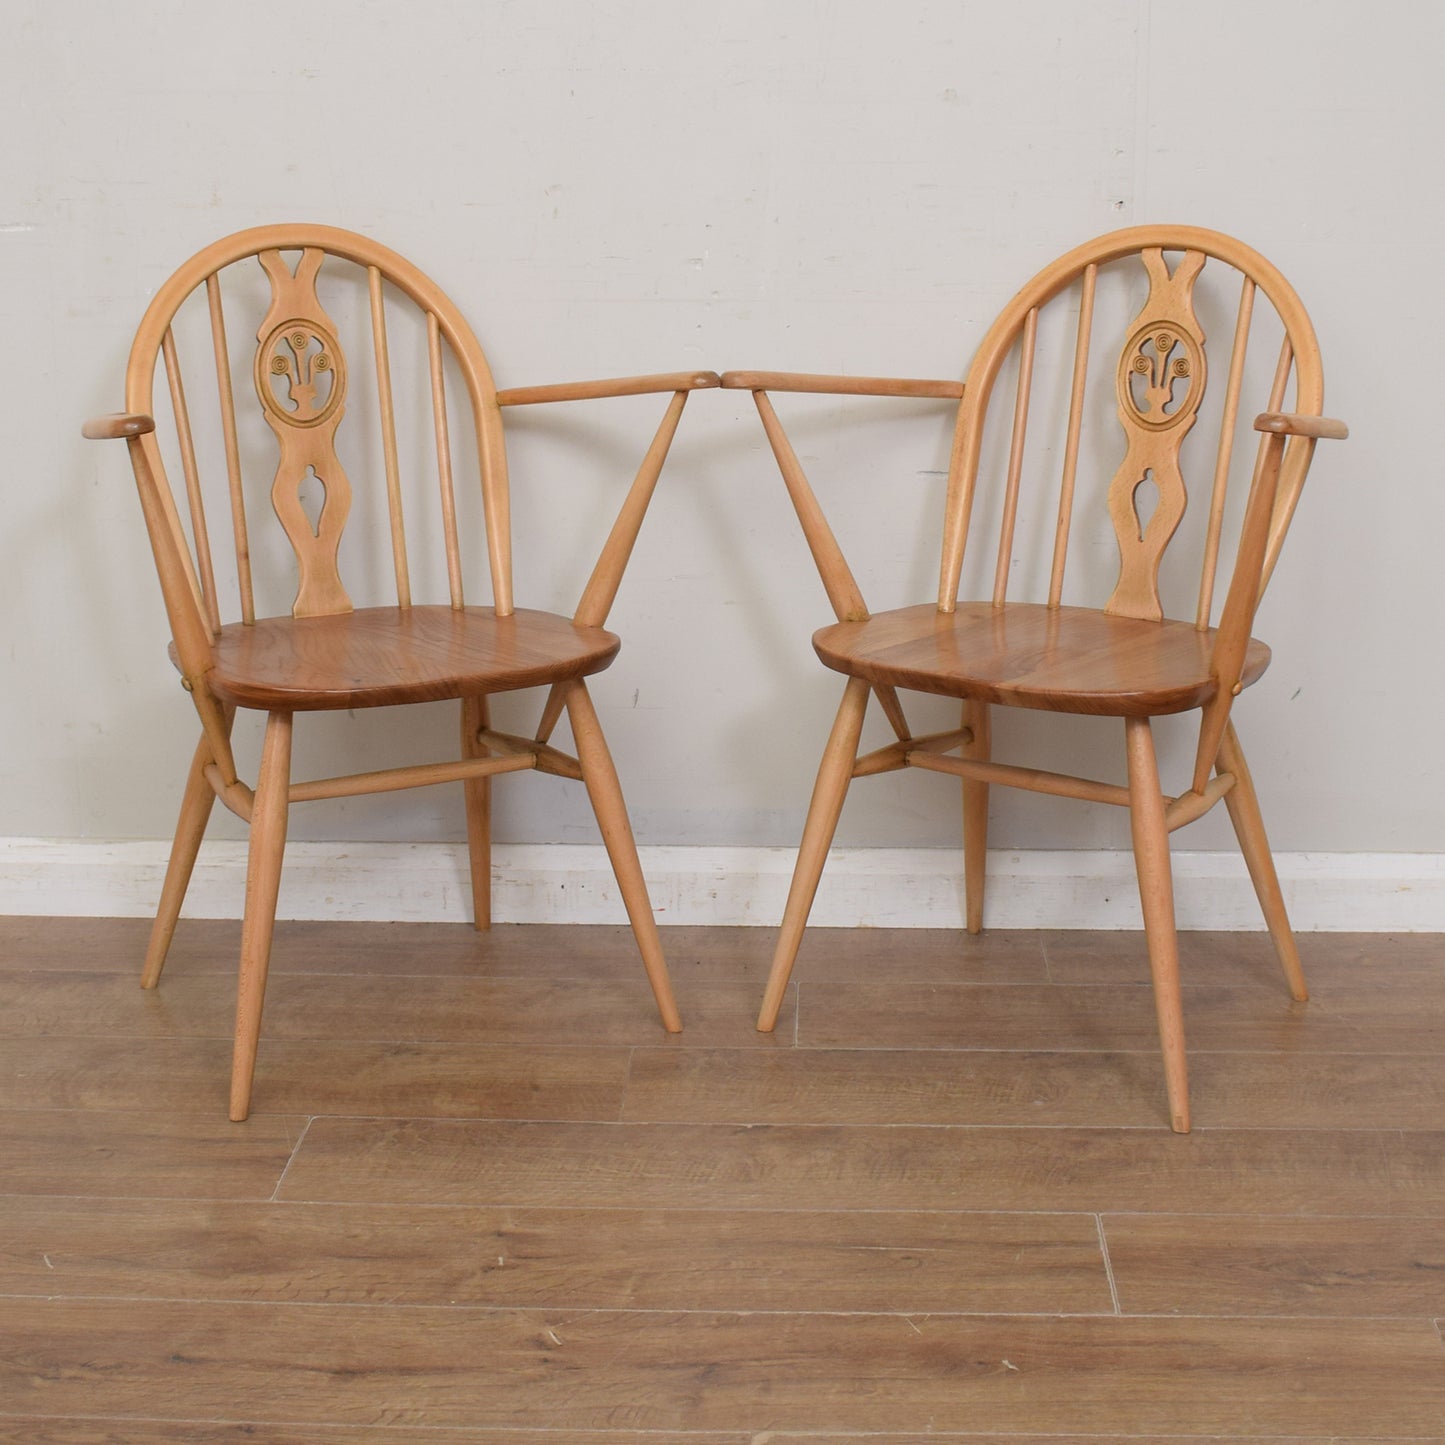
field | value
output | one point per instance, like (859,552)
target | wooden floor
(484,1197)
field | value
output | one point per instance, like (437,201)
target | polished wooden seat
(328,652)
(382,656)
(1061,659)
(1123,657)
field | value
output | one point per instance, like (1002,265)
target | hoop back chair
(327,653)
(1123,659)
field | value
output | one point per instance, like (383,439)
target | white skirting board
(861,888)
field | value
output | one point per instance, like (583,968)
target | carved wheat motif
(1160,385)
(301,382)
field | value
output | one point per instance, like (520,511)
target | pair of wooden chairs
(1125,660)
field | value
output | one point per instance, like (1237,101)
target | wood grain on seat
(1063,659)
(383,655)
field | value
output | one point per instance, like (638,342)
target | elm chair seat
(1059,659)
(382,656)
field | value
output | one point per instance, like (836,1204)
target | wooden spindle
(496,499)
(601,589)
(1245,588)
(1292,479)
(193,481)
(843,590)
(233,450)
(444,460)
(388,438)
(1071,445)
(1016,457)
(1225,456)
(1281,380)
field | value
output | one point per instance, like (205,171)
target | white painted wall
(631,185)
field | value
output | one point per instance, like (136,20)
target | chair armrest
(617,386)
(118,424)
(840,385)
(1291,424)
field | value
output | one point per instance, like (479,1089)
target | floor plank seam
(482,1202)
(291,1159)
(1108,1264)
(572,1312)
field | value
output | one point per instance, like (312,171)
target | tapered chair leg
(263,881)
(978,719)
(196,804)
(478,792)
(1156,894)
(834,774)
(1243,805)
(600,778)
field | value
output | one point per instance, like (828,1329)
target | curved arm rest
(1291,424)
(840,385)
(118,424)
(618,386)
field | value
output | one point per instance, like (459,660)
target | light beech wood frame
(367,657)
(1124,659)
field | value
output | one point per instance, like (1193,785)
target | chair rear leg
(834,774)
(263,881)
(977,717)
(196,805)
(1243,804)
(600,778)
(478,793)
(1156,894)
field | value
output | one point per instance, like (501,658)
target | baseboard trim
(861,888)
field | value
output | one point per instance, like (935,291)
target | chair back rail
(1078,382)
(390,458)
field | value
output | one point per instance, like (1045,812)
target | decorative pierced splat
(301,382)
(1160,386)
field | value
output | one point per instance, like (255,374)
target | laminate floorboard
(1339,1018)
(483,1197)
(317,1076)
(1194,1264)
(911,1262)
(536,950)
(413,1009)
(600,1369)
(680,1166)
(1079,1089)
(71,1151)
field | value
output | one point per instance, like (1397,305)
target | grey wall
(608,188)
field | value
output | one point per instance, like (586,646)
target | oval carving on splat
(300,375)
(1161,376)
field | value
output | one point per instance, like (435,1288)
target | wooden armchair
(327,653)
(1125,659)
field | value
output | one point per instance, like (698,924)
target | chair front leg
(263,881)
(1243,804)
(1156,894)
(600,778)
(478,794)
(196,805)
(834,774)
(978,719)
